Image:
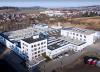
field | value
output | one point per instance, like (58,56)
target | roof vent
(35,36)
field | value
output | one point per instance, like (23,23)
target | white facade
(35,49)
(56,52)
(31,52)
(86,36)
(97,34)
(32,48)
(12,46)
(77,40)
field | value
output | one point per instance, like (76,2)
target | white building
(61,45)
(32,42)
(26,43)
(52,13)
(75,39)
(80,34)
(34,47)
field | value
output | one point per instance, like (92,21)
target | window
(39,55)
(39,47)
(38,51)
(36,56)
(44,42)
(26,53)
(35,52)
(44,46)
(80,35)
(73,33)
(26,45)
(27,57)
(84,36)
(27,49)
(76,34)
(38,44)
(41,50)
(35,49)
(41,43)
(34,45)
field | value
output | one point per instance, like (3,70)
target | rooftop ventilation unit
(35,36)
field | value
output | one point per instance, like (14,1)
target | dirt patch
(80,66)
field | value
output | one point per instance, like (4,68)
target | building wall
(34,50)
(58,51)
(12,46)
(97,35)
(83,37)
(90,39)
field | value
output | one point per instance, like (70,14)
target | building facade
(75,39)
(31,43)
(33,47)
(84,35)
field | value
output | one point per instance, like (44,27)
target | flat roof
(57,43)
(20,34)
(79,30)
(31,40)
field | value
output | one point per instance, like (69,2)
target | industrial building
(75,39)
(32,42)
(33,48)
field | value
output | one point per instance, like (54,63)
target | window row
(40,51)
(38,44)
(25,45)
(39,48)
(80,38)
(36,56)
(79,35)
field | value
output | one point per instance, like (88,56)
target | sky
(49,3)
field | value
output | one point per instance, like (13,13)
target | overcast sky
(49,3)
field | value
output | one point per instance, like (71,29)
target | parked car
(92,61)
